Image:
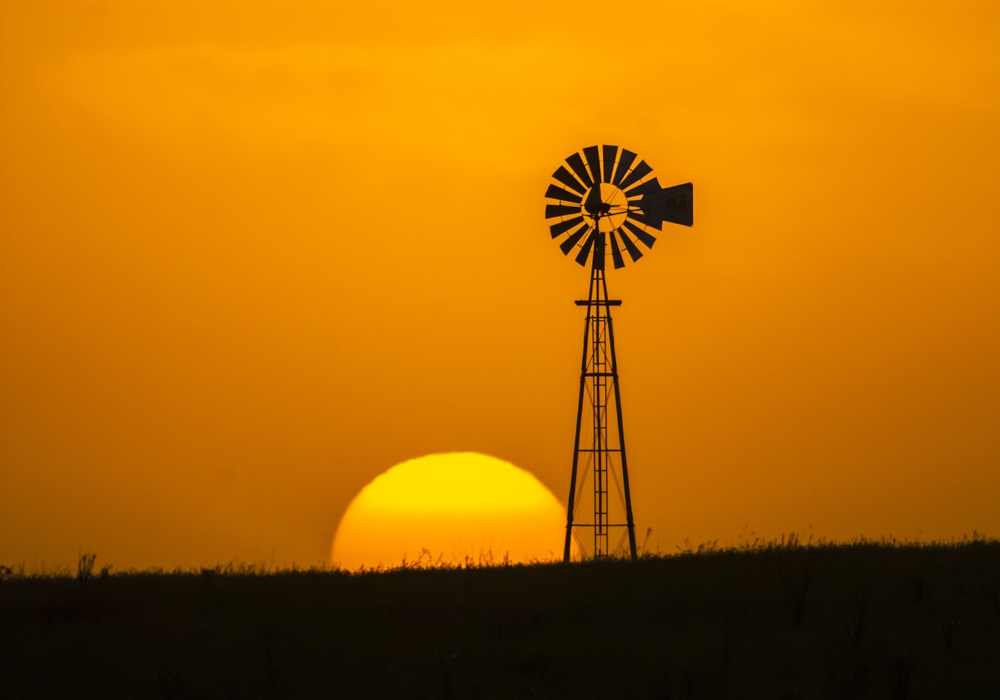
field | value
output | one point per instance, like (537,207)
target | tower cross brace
(599,455)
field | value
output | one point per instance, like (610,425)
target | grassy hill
(857,621)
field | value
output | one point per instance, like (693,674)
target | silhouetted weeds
(781,619)
(85,568)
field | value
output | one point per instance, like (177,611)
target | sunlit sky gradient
(255,253)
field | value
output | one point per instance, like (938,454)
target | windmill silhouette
(605,197)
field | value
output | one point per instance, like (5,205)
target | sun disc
(453,508)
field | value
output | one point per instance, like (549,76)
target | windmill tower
(604,199)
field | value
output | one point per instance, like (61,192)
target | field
(864,620)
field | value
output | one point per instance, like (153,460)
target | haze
(256,253)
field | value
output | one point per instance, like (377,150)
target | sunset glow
(254,253)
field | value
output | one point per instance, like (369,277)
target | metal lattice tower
(599,447)
(610,199)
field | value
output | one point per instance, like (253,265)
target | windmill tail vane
(601,199)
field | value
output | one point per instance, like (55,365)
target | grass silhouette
(760,620)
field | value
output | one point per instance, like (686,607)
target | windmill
(604,197)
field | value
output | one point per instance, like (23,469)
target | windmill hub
(606,206)
(604,200)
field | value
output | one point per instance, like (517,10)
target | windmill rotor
(601,196)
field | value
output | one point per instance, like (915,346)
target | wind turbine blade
(573,239)
(630,246)
(593,156)
(576,162)
(646,238)
(645,219)
(554,210)
(651,186)
(584,253)
(624,163)
(616,253)
(608,156)
(564,226)
(565,177)
(562,195)
(640,171)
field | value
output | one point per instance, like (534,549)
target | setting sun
(451,508)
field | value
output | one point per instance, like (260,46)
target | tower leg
(571,501)
(629,521)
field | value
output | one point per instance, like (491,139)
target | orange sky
(252,254)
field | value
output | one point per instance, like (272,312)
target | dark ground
(857,621)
